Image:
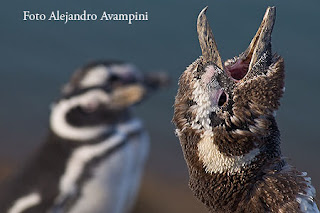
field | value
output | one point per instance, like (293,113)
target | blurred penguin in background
(93,157)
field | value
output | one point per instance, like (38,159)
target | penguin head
(100,94)
(227,107)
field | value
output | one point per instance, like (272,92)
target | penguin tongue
(259,48)
(238,70)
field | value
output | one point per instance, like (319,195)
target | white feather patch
(99,75)
(95,77)
(213,160)
(79,159)
(125,70)
(130,126)
(202,108)
(216,162)
(206,99)
(25,203)
(62,128)
(306,199)
(115,181)
(84,154)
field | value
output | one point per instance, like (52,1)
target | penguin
(93,157)
(224,114)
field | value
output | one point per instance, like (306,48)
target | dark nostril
(222,99)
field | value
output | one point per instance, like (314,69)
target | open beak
(259,49)
(208,45)
(136,92)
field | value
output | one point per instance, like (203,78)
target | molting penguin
(93,157)
(224,118)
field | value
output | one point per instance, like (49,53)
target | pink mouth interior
(238,70)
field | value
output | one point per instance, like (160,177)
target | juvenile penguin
(94,154)
(224,114)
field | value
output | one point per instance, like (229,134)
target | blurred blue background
(37,58)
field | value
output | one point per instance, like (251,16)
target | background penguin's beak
(134,93)
(156,80)
(126,96)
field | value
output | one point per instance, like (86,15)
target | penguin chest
(114,181)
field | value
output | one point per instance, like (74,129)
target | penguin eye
(114,78)
(115,81)
(190,103)
(222,99)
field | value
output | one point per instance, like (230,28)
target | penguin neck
(223,192)
(247,189)
(60,126)
(218,189)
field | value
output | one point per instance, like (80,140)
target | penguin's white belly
(114,183)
